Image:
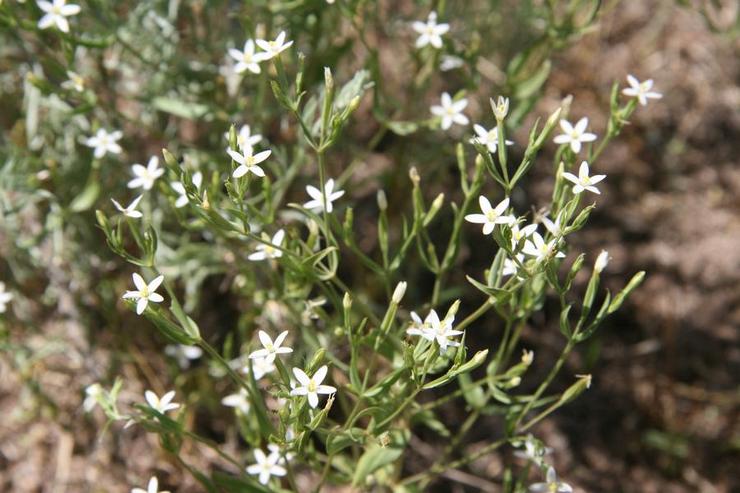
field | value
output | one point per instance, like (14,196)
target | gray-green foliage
(156,71)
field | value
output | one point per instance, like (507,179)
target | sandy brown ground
(662,415)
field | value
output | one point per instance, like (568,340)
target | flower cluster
(279,264)
(433,329)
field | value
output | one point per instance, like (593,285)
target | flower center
(311,386)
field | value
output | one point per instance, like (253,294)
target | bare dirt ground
(662,415)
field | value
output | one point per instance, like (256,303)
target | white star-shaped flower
(248,163)
(533,451)
(554,227)
(317,202)
(576,135)
(450,111)
(92,392)
(450,62)
(430,33)
(183,354)
(245,139)
(500,107)
(239,401)
(266,466)
(583,181)
(417,326)
(551,484)
(74,82)
(269,251)
(434,329)
(247,59)
(130,210)
(232,79)
(56,13)
(146,176)
(261,367)
(518,234)
(270,349)
(5,297)
(488,138)
(491,215)
(640,90)
(179,188)
(161,405)
(539,249)
(152,487)
(144,292)
(274,48)
(104,142)
(311,386)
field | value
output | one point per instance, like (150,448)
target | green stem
(439,468)
(546,383)
(487,305)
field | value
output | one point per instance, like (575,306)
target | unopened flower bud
(554,118)
(583,383)
(453,309)
(347,301)
(382,200)
(527,357)
(328,79)
(353,104)
(437,203)
(565,105)
(313,227)
(170,159)
(551,122)
(399,292)
(601,261)
(414,175)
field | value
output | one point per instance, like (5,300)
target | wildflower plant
(353,373)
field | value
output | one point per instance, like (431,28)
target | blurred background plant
(160,73)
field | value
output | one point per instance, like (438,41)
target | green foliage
(336,280)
